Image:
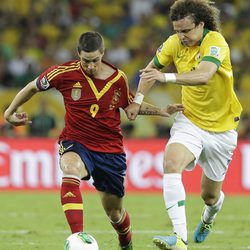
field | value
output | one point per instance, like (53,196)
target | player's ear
(202,24)
(78,49)
(102,54)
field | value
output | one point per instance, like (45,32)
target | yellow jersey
(214,106)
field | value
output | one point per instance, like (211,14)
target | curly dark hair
(199,10)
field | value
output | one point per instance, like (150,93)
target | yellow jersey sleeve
(165,53)
(214,48)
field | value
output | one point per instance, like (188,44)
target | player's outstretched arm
(200,76)
(143,88)
(149,109)
(11,114)
(171,109)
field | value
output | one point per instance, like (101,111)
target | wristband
(138,98)
(170,77)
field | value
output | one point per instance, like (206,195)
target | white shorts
(213,151)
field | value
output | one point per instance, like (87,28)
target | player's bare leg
(213,197)
(119,219)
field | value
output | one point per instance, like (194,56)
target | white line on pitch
(99,231)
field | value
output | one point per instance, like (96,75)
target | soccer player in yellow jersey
(205,132)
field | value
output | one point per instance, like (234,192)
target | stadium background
(37,34)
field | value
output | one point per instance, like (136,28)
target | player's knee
(71,168)
(170,166)
(71,164)
(114,214)
(209,198)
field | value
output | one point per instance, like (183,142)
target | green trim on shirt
(205,32)
(157,63)
(212,59)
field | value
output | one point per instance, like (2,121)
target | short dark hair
(199,10)
(90,41)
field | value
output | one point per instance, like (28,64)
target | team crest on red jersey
(76,91)
(115,99)
(44,83)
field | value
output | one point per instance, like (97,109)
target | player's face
(91,61)
(189,33)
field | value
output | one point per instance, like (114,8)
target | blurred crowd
(38,33)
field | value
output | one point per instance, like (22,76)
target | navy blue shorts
(107,170)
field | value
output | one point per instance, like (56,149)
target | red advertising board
(32,164)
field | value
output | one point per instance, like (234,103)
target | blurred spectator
(162,130)
(20,70)
(142,8)
(43,122)
(118,54)
(244,128)
(127,129)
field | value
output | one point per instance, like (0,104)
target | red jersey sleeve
(45,80)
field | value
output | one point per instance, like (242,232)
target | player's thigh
(176,158)
(72,164)
(217,154)
(184,146)
(210,190)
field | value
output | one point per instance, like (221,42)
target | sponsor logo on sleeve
(160,49)
(214,51)
(44,83)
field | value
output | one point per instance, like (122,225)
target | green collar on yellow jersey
(205,32)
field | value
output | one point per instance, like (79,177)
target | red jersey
(92,105)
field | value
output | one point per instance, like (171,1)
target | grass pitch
(34,220)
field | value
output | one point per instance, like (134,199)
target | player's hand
(152,75)
(171,109)
(17,118)
(132,110)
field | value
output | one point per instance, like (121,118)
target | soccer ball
(81,241)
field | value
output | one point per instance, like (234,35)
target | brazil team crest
(76,91)
(214,51)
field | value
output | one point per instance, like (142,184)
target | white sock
(174,197)
(71,176)
(210,212)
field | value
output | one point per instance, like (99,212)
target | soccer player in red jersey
(91,144)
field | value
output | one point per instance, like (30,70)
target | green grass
(34,220)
